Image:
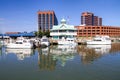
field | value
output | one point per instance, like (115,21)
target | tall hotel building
(46,19)
(88,19)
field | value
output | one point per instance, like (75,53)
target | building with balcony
(46,19)
(63,30)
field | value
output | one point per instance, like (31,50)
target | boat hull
(99,42)
(66,43)
(45,43)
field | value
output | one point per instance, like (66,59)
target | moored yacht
(100,40)
(67,41)
(20,43)
(45,41)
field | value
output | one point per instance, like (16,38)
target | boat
(20,43)
(100,40)
(2,43)
(45,41)
(67,41)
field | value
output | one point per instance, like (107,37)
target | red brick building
(90,31)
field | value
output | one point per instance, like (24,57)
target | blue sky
(21,15)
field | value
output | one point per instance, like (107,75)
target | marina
(53,40)
(63,62)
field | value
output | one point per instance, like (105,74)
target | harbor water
(58,62)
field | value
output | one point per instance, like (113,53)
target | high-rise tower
(88,19)
(46,19)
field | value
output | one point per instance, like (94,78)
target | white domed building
(63,33)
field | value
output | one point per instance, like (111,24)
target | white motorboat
(20,43)
(67,41)
(100,40)
(45,41)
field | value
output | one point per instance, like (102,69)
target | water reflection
(102,49)
(63,53)
(45,60)
(90,53)
(115,48)
(63,62)
(0,51)
(20,53)
(45,51)
(50,56)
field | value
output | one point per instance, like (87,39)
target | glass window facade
(46,20)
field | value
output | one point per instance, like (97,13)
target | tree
(36,33)
(47,33)
(40,34)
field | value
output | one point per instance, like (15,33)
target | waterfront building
(91,31)
(88,19)
(46,19)
(63,30)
